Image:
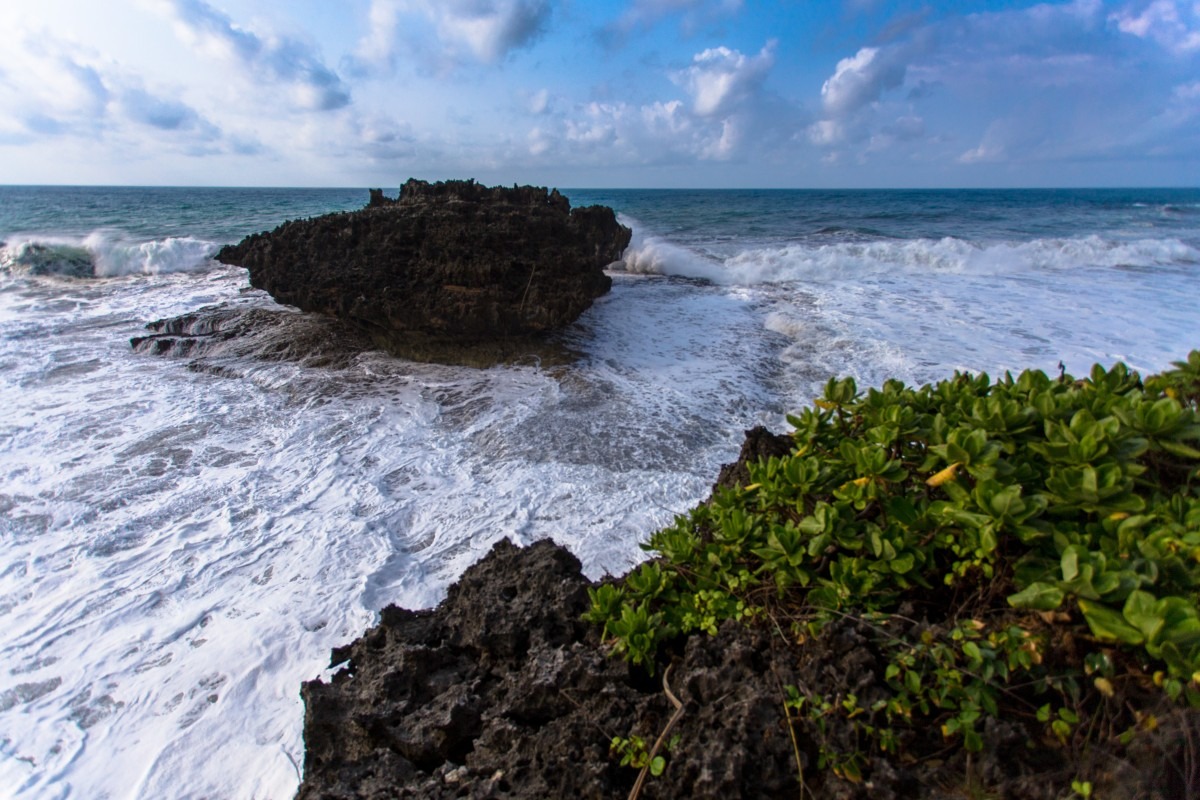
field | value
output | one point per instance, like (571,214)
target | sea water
(180,548)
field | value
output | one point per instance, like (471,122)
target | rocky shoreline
(502,691)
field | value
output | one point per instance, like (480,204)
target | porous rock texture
(503,692)
(451,271)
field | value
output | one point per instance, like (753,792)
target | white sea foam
(653,255)
(179,550)
(860,259)
(104,255)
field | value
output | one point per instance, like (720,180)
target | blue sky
(601,93)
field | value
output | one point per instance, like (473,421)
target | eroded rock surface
(502,692)
(444,267)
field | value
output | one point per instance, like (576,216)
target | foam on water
(855,260)
(179,550)
(103,254)
(185,549)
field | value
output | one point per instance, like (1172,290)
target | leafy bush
(1015,516)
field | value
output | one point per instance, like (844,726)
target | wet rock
(263,334)
(444,267)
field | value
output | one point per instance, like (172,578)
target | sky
(601,93)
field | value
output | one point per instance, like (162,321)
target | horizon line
(364,187)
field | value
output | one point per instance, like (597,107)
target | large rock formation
(444,268)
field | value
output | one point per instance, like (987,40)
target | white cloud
(55,87)
(858,82)
(862,79)
(1187,91)
(487,30)
(377,48)
(1172,25)
(720,80)
(984,153)
(312,85)
(825,132)
(727,113)
(1022,85)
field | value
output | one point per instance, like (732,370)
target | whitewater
(181,547)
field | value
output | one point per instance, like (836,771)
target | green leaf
(1141,611)
(1070,562)
(1109,626)
(1039,596)
(657,766)
(1179,449)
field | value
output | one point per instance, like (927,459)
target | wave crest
(850,260)
(100,255)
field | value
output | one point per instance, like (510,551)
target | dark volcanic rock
(446,266)
(759,445)
(263,334)
(503,692)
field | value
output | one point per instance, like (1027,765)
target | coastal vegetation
(1020,557)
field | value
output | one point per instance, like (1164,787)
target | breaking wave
(851,260)
(100,255)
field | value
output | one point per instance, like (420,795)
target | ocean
(180,548)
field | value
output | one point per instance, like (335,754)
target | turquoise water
(691,216)
(182,543)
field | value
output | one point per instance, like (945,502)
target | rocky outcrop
(503,692)
(445,269)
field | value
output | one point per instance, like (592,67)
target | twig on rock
(662,737)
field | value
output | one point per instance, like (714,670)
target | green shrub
(1042,506)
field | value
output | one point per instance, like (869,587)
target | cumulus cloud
(277,60)
(51,88)
(720,80)
(862,79)
(1027,84)
(485,30)
(1173,25)
(377,48)
(725,110)
(651,133)
(857,83)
